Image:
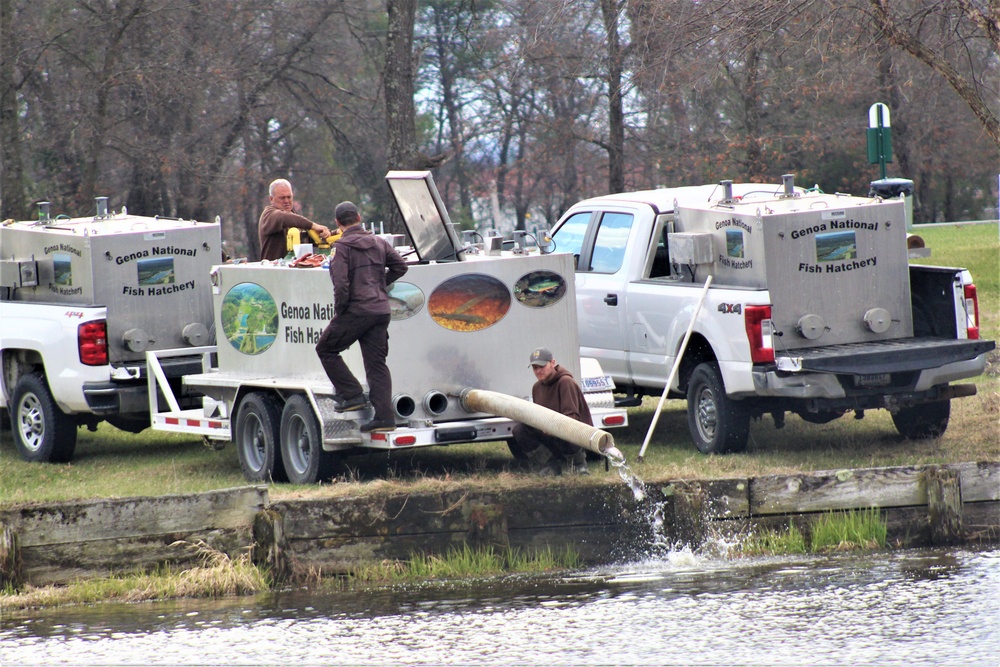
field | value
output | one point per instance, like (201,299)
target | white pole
(677,364)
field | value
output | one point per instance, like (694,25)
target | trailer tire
(306,462)
(256,438)
(42,432)
(718,424)
(924,421)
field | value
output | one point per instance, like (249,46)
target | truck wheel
(302,443)
(43,433)
(718,424)
(256,438)
(920,422)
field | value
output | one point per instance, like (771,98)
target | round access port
(403,405)
(435,402)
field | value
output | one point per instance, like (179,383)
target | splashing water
(717,543)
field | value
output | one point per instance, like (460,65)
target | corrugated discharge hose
(547,421)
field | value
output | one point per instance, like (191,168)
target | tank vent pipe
(788,180)
(727,192)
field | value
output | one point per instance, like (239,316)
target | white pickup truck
(812,307)
(81,302)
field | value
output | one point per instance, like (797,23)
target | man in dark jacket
(277,218)
(361,268)
(556,390)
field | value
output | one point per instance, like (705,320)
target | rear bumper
(124,397)
(837,373)
(891,356)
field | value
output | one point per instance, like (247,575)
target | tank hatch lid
(424,215)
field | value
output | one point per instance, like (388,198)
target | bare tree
(963,23)
(13,202)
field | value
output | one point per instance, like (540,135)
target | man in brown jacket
(556,390)
(362,267)
(277,218)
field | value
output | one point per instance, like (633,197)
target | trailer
(465,318)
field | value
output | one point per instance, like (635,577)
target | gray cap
(540,356)
(345,212)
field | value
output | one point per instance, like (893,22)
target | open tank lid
(424,215)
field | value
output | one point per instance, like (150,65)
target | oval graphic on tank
(405,300)
(469,302)
(539,288)
(249,318)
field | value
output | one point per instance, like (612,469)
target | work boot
(552,469)
(358,402)
(379,426)
(578,463)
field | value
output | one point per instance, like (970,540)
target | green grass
(854,529)
(831,531)
(463,563)
(774,542)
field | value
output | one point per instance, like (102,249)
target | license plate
(873,380)
(604,383)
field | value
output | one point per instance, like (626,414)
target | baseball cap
(345,211)
(540,356)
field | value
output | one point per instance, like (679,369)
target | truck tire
(718,424)
(302,444)
(42,432)
(256,438)
(920,422)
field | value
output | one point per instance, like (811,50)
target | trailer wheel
(42,432)
(256,438)
(718,424)
(302,443)
(920,422)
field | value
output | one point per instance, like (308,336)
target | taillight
(972,311)
(758,324)
(613,420)
(92,341)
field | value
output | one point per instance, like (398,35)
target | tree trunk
(610,10)
(12,194)
(398,86)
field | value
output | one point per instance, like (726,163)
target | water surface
(903,608)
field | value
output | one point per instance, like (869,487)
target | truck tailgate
(887,356)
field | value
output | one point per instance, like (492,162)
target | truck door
(600,239)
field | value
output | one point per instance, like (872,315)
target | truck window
(660,266)
(612,237)
(569,237)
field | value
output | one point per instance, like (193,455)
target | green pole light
(879,136)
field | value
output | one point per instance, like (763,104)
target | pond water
(896,608)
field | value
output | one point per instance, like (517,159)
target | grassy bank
(113,464)
(218,575)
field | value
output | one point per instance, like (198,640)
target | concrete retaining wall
(923,505)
